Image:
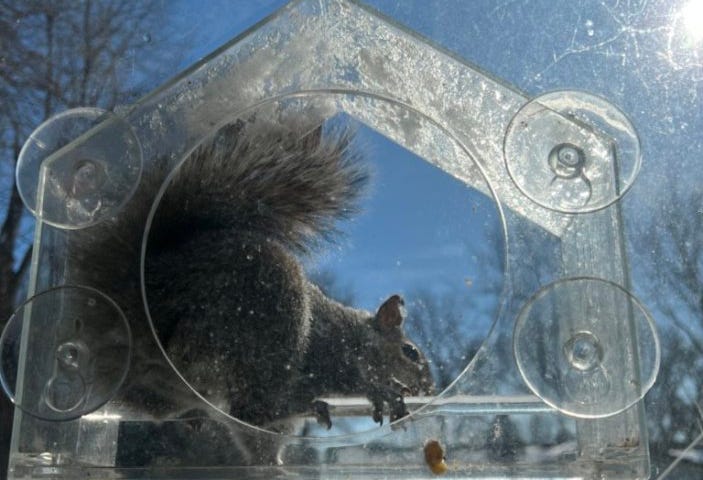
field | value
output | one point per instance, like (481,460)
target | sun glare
(692,16)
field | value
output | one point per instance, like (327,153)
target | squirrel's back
(221,260)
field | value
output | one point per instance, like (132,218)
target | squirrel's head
(396,364)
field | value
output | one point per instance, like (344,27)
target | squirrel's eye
(411,352)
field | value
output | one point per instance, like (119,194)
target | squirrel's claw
(377,415)
(322,413)
(395,403)
(398,409)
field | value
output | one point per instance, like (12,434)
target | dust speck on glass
(353,239)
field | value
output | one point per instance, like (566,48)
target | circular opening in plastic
(587,347)
(223,270)
(64,353)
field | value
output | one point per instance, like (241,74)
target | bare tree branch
(56,54)
(8,236)
(672,245)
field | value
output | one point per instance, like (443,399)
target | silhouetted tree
(441,326)
(673,245)
(55,55)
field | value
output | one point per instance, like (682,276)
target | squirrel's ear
(390,314)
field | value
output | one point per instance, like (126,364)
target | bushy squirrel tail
(278,181)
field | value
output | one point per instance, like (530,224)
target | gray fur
(226,292)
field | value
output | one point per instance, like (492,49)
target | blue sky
(419,228)
(422,229)
(648,61)
(642,60)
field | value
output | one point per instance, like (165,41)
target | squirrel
(226,291)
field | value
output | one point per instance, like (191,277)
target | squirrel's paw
(397,408)
(377,410)
(322,413)
(396,405)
